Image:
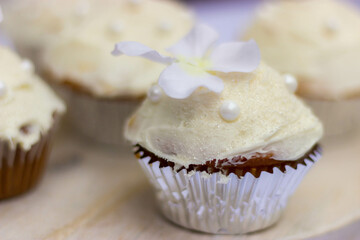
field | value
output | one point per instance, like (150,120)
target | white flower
(194,62)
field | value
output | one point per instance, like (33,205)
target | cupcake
(102,90)
(28,116)
(222,138)
(317,42)
(45,21)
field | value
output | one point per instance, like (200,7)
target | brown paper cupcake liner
(21,170)
(340,118)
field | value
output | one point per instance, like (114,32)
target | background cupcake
(45,21)
(102,90)
(226,142)
(317,42)
(28,116)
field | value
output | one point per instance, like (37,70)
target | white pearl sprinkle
(82,9)
(332,25)
(155,93)
(229,111)
(27,65)
(2,89)
(291,82)
(165,26)
(135,2)
(116,27)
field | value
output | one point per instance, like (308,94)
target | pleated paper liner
(225,204)
(21,170)
(99,119)
(340,118)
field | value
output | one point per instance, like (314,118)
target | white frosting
(191,131)
(33,24)
(83,57)
(83,33)
(315,40)
(27,102)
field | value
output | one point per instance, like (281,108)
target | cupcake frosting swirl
(315,40)
(27,104)
(81,56)
(270,119)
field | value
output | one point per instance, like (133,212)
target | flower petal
(196,43)
(132,48)
(236,57)
(178,83)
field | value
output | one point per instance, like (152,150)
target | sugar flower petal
(235,57)
(131,48)
(177,82)
(196,43)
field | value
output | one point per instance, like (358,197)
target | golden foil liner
(21,170)
(218,204)
(340,118)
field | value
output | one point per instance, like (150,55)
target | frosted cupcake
(33,24)
(102,90)
(29,111)
(317,41)
(222,138)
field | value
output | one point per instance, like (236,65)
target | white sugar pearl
(165,26)
(229,111)
(116,27)
(82,9)
(155,93)
(135,2)
(332,25)
(27,65)
(2,89)
(291,82)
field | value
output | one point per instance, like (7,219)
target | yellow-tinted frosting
(25,102)
(83,57)
(271,119)
(315,40)
(33,24)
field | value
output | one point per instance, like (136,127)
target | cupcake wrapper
(210,204)
(98,119)
(339,118)
(21,170)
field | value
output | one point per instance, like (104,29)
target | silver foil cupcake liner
(21,170)
(100,120)
(340,118)
(217,204)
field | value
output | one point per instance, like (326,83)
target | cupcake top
(45,20)
(27,104)
(315,40)
(82,58)
(219,106)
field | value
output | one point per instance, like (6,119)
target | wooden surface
(92,192)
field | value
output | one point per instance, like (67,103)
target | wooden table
(96,192)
